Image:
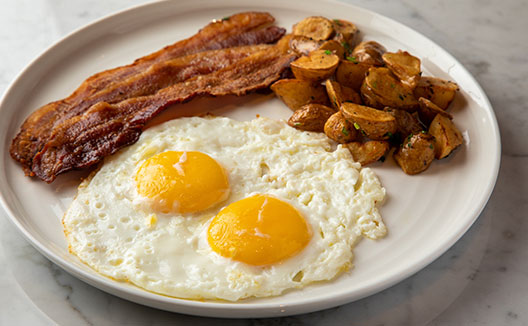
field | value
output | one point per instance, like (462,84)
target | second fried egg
(220,209)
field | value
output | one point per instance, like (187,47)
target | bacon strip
(84,140)
(240,29)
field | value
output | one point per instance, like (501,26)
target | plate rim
(237,310)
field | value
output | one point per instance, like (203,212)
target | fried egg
(213,208)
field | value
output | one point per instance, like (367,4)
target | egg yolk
(258,230)
(182,182)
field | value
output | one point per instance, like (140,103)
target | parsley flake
(344,131)
(356,126)
(328,52)
(353,59)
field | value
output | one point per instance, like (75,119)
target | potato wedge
(440,92)
(381,88)
(405,66)
(315,27)
(346,32)
(416,153)
(339,94)
(406,123)
(428,111)
(303,45)
(295,93)
(333,46)
(447,136)
(375,124)
(369,151)
(311,117)
(369,52)
(318,65)
(351,74)
(339,129)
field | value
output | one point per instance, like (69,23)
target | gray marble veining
(481,280)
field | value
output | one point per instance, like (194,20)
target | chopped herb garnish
(356,126)
(409,145)
(400,96)
(225,18)
(338,22)
(346,46)
(423,131)
(431,146)
(389,134)
(328,52)
(344,131)
(297,124)
(353,59)
(375,84)
(409,137)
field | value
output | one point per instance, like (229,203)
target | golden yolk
(182,182)
(258,230)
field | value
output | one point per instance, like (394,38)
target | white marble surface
(481,280)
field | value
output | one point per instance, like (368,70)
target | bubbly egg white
(110,229)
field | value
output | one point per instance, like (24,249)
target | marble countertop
(481,280)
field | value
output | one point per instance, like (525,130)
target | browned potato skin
(333,46)
(315,27)
(295,93)
(381,88)
(376,124)
(303,45)
(346,32)
(318,65)
(405,66)
(428,111)
(406,122)
(311,117)
(339,129)
(351,74)
(446,134)
(369,151)
(416,153)
(440,92)
(369,53)
(339,94)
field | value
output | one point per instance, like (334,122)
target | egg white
(110,229)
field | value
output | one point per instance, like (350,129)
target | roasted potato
(447,136)
(333,46)
(416,153)
(428,111)
(311,117)
(369,53)
(339,94)
(406,123)
(304,45)
(375,124)
(381,88)
(405,66)
(346,33)
(339,129)
(296,93)
(369,151)
(318,65)
(351,73)
(440,92)
(315,27)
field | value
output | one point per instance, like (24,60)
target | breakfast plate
(425,214)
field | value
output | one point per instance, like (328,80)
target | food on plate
(381,94)
(112,86)
(382,88)
(369,151)
(405,66)
(296,93)
(318,65)
(369,52)
(375,124)
(340,129)
(315,27)
(416,153)
(447,137)
(311,117)
(440,92)
(142,218)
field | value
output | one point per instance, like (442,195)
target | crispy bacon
(113,85)
(83,140)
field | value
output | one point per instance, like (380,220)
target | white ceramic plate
(425,214)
